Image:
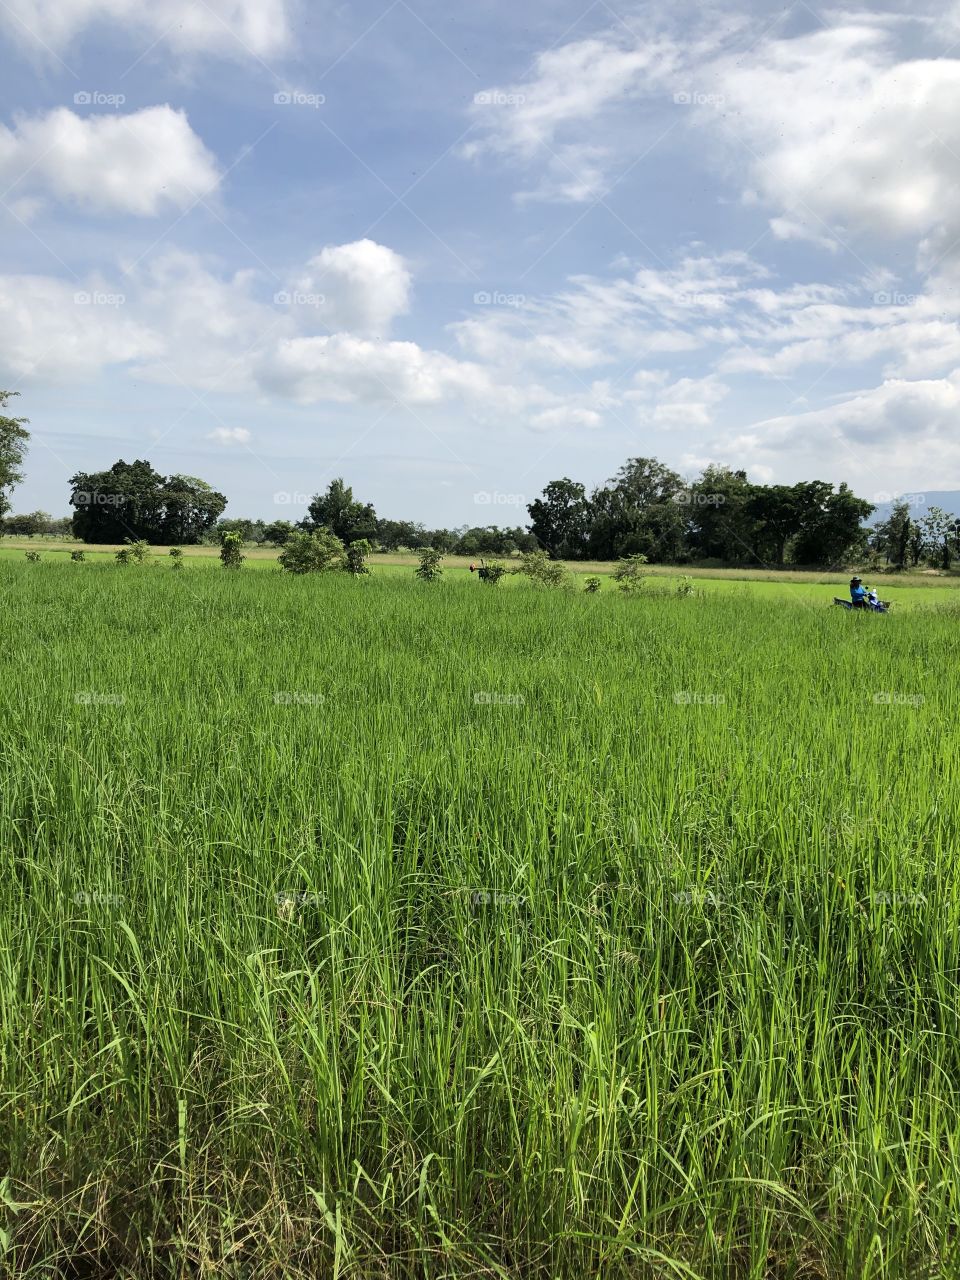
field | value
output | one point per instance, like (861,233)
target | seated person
(858,593)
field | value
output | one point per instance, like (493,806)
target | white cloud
(346,367)
(238,28)
(564,416)
(229,435)
(360,287)
(60,331)
(138,163)
(844,135)
(554,116)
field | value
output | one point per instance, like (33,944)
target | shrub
(139,549)
(77,557)
(491,573)
(123,555)
(176,556)
(314,552)
(629,575)
(592,585)
(231,550)
(354,557)
(32,556)
(538,567)
(429,569)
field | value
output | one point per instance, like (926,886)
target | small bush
(311,552)
(429,569)
(592,586)
(139,549)
(33,556)
(77,557)
(629,575)
(538,567)
(123,556)
(231,550)
(354,557)
(176,555)
(491,573)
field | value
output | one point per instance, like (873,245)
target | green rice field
(372,928)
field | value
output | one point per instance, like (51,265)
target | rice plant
(363,930)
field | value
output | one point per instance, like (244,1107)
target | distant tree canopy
(647,509)
(13,446)
(131,500)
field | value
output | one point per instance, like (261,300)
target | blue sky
(454,252)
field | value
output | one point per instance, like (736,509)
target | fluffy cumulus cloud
(239,28)
(138,163)
(361,287)
(175,320)
(846,137)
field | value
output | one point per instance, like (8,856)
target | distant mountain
(920,503)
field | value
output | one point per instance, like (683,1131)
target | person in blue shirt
(858,593)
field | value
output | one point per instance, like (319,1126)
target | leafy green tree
(337,511)
(315,552)
(231,550)
(354,557)
(429,569)
(560,519)
(720,526)
(278,532)
(133,500)
(629,574)
(28,525)
(13,446)
(938,536)
(891,538)
(637,512)
(832,530)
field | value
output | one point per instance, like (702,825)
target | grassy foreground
(366,928)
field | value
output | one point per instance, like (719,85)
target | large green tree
(560,519)
(132,500)
(13,446)
(338,511)
(640,511)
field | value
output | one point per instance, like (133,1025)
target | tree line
(646,509)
